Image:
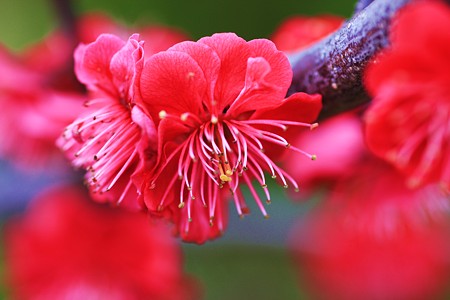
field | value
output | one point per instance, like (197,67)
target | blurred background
(251,260)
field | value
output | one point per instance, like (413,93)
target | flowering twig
(334,66)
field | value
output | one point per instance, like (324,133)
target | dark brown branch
(67,19)
(334,66)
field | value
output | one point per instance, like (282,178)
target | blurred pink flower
(157,37)
(114,137)
(339,146)
(221,103)
(408,123)
(375,238)
(33,114)
(66,247)
(299,32)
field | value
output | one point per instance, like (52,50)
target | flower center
(226,152)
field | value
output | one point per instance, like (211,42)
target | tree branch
(67,19)
(334,66)
(361,4)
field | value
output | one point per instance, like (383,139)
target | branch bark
(334,67)
(361,4)
(67,19)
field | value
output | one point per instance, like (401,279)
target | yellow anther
(314,126)
(225,178)
(184,116)
(162,114)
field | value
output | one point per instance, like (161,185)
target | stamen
(314,126)
(310,156)
(124,193)
(255,196)
(187,115)
(162,114)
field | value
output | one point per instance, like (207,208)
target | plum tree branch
(67,19)
(361,4)
(334,66)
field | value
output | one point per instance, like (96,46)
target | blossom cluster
(177,132)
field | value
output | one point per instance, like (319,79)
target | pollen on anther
(214,120)
(225,178)
(181,205)
(266,217)
(313,157)
(162,114)
(264,186)
(285,186)
(184,117)
(268,201)
(314,126)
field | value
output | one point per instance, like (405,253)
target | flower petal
(280,74)
(267,79)
(233,52)
(174,82)
(92,62)
(208,61)
(126,67)
(300,107)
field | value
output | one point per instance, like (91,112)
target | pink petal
(300,107)
(92,62)
(267,78)
(208,61)
(173,81)
(233,52)
(126,67)
(280,74)
(257,92)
